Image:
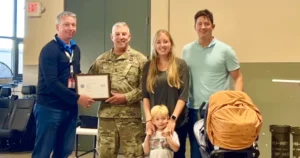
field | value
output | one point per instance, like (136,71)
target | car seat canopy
(233,121)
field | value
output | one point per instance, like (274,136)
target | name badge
(71,83)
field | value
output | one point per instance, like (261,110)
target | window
(7,15)
(20,18)
(20,58)
(5,51)
(12,34)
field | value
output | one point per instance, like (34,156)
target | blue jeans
(182,133)
(55,131)
(193,118)
(188,129)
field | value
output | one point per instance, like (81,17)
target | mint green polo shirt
(209,69)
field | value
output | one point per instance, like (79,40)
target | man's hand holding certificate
(85,101)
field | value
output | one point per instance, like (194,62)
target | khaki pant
(127,132)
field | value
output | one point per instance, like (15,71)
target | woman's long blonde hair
(172,71)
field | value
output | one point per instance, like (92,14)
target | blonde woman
(166,81)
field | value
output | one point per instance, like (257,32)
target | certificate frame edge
(101,74)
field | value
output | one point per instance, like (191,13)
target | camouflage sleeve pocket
(131,73)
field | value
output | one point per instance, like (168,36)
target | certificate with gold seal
(95,86)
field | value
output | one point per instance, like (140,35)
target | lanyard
(70,61)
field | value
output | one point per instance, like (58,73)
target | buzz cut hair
(120,24)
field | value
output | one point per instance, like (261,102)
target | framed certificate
(95,86)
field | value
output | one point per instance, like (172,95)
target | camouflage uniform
(121,124)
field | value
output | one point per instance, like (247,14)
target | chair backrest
(22,110)
(21,113)
(29,91)
(88,121)
(6,105)
(5,92)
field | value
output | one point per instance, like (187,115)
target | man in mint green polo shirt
(211,64)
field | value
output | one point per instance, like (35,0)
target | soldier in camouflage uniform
(120,120)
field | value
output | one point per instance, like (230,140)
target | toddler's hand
(149,133)
(166,132)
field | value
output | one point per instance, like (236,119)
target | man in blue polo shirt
(56,109)
(211,63)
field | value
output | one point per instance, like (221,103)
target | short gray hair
(118,24)
(64,13)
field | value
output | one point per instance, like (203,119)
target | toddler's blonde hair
(159,110)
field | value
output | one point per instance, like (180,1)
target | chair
(6,105)
(20,131)
(87,126)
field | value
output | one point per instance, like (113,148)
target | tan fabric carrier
(233,121)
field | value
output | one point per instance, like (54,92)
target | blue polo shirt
(63,44)
(209,68)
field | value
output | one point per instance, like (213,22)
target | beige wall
(259,31)
(270,34)
(159,16)
(38,31)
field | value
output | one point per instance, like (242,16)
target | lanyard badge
(71,80)
(71,83)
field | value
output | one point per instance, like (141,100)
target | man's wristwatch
(173,118)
